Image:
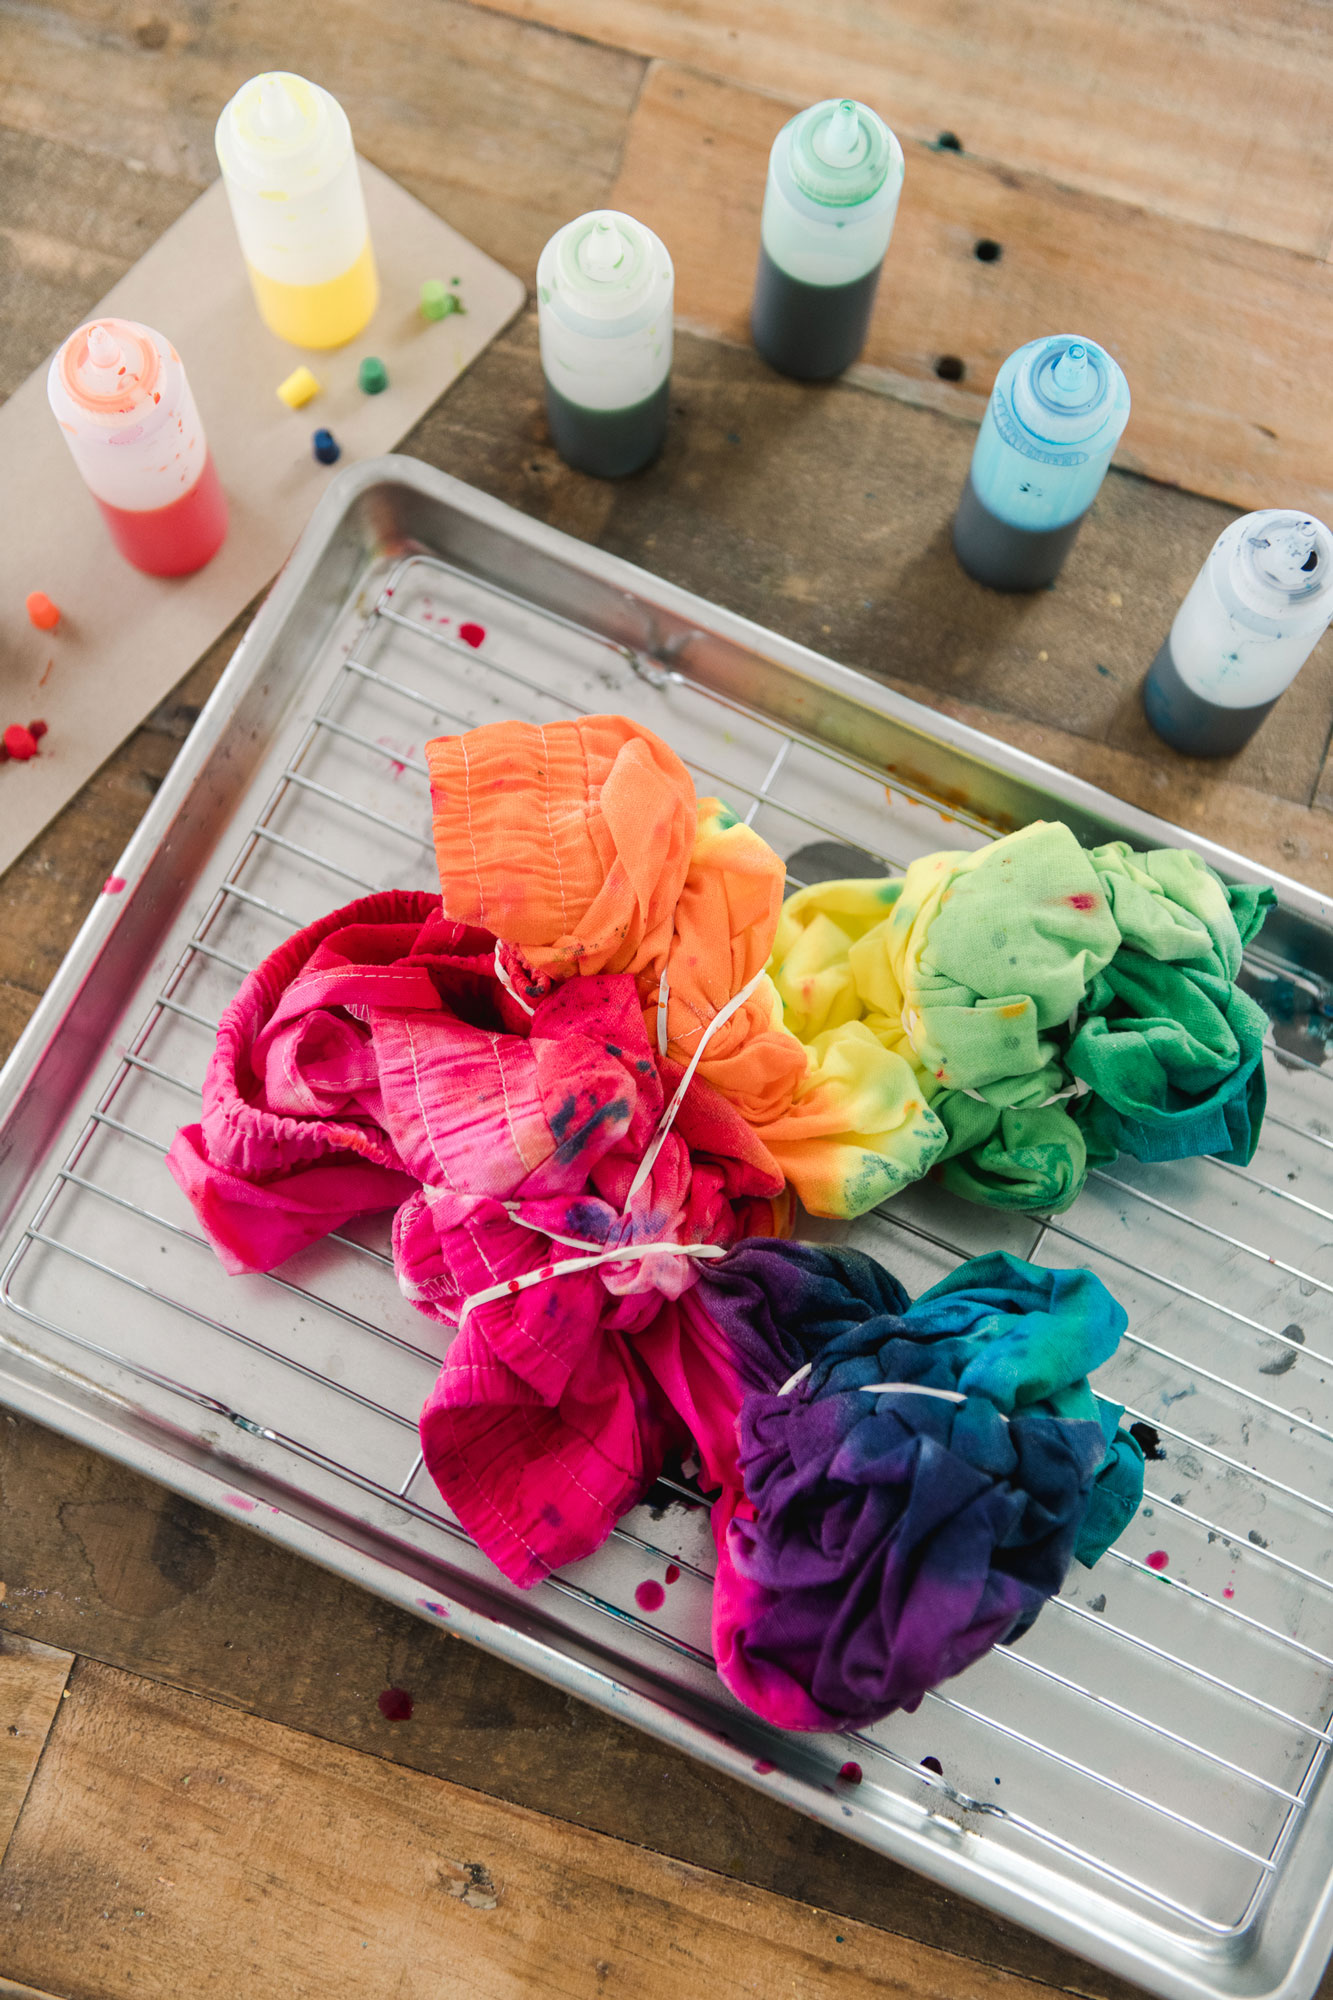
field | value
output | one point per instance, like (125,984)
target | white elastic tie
(719,1020)
(626,1254)
(509,985)
(918,1389)
(663,994)
(888,1389)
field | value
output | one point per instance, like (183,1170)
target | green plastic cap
(840,152)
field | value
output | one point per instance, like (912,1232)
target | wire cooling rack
(1160,1733)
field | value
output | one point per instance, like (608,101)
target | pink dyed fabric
(375,1060)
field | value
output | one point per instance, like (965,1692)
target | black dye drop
(1005,557)
(810,332)
(1186,721)
(1147,1439)
(610,444)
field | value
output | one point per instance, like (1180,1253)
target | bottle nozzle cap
(104,350)
(277,117)
(603,250)
(1288,554)
(841,142)
(1070,373)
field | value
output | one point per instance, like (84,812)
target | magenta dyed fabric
(375,1060)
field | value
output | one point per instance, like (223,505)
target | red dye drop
(650,1596)
(20,742)
(395,1705)
(1085,900)
(933,1764)
(1228,1592)
(850,1774)
(176,539)
(1158,1559)
(672,1572)
(37,730)
(114,885)
(763,1767)
(472,635)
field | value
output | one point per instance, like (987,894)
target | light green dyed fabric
(1057,1004)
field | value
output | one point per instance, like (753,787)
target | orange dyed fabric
(571,840)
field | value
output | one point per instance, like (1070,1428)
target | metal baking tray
(1143,1777)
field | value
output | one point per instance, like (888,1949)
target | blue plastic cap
(326,448)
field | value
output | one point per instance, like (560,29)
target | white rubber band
(663,995)
(719,1020)
(509,986)
(568,1265)
(890,1389)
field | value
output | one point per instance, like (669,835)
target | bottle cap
(1280,560)
(839,152)
(110,377)
(281,135)
(604,266)
(1068,391)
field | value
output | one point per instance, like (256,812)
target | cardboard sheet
(126,639)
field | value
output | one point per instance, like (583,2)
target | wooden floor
(198,1791)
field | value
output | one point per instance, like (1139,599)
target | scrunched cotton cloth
(582,845)
(874,1540)
(1052,1001)
(376,1060)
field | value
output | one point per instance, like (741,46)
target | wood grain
(502,128)
(1214,333)
(32,1680)
(1208,110)
(173,1844)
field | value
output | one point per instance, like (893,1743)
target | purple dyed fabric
(882,1542)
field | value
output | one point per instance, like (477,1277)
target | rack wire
(1166,1745)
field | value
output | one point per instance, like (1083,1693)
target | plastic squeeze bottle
(1245,628)
(1054,418)
(605,286)
(834,177)
(291,176)
(120,395)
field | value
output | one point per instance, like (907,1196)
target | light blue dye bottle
(1055,416)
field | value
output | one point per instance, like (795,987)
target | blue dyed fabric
(885,1540)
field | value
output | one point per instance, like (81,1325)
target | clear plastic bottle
(605,287)
(1055,416)
(119,393)
(285,149)
(1245,628)
(834,177)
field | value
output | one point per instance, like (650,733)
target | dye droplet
(395,1705)
(1147,1439)
(650,1596)
(850,1774)
(1158,1559)
(1228,1592)
(672,1572)
(763,1767)
(114,885)
(933,1764)
(472,635)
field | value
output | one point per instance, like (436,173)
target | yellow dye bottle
(285,148)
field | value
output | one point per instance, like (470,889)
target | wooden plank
(502,128)
(170,1842)
(1208,110)
(32,1680)
(143,1579)
(1215,334)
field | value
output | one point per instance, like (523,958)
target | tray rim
(917,1836)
